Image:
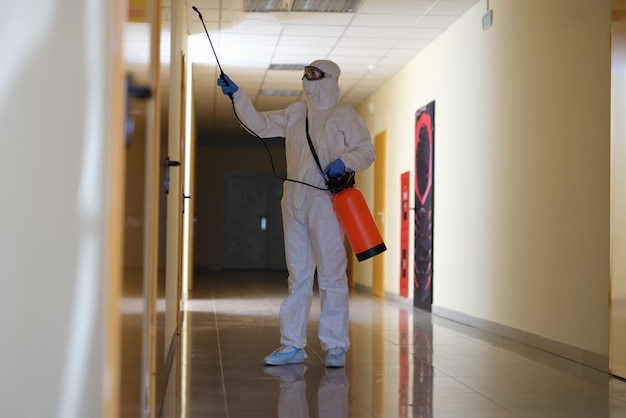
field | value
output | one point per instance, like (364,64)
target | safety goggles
(313,73)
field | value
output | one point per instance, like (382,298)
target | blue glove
(228,86)
(336,168)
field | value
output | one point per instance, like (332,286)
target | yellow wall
(522,166)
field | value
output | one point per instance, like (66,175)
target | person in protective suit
(313,235)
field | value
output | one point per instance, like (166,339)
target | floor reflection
(423,371)
(402,363)
(332,392)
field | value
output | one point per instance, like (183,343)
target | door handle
(168,163)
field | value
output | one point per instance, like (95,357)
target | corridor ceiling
(264,51)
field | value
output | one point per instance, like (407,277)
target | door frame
(151,217)
(380,207)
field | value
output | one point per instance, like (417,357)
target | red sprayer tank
(358,223)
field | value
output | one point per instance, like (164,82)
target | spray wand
(250,131)
(211,43)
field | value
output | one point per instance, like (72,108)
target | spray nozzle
(197,11)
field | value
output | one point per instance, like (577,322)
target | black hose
(269,152)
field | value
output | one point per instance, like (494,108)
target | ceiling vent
(321,6)
(255,6)
(280,92)
(287,67)
(325,6)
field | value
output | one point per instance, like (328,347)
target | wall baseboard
(570,352)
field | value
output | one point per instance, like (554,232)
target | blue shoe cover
(285,355)
(336,357)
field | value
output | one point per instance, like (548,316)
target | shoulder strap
(335,184)
(308,138)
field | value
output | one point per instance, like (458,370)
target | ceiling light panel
(265,6)
(287,67)
(326,6)
(321,6)
(280,92)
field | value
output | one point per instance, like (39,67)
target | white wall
(522,165)
(618,192)
(59,218)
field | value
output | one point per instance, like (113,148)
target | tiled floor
(402,363)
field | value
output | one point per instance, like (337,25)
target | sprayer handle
(229,82)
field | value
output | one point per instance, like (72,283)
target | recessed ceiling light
(322,6)
(280,92)
(252,6)
(325,6)
(287,67)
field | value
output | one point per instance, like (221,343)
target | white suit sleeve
(360,152)
(264,124)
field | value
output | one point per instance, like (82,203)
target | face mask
(322,93)
(310,87)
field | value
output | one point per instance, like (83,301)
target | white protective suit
(313,235)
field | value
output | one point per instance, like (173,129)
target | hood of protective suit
(325,92)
